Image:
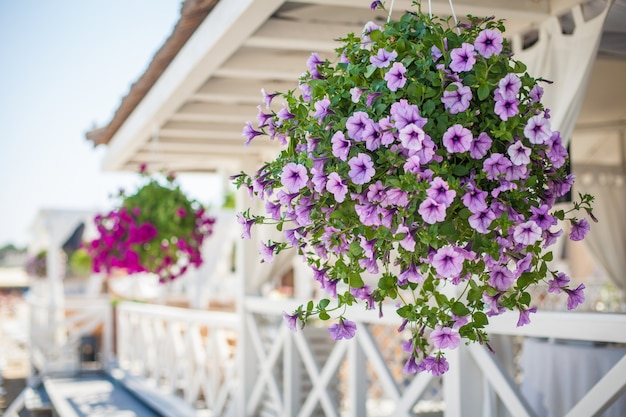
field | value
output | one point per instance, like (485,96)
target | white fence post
(462,384)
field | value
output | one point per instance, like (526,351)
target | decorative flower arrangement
(36,264)
(424,159)
(157,229)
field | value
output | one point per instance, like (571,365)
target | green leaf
(483,92)
(459,309)
(480,319)
(369,71)
(355,280)
(519,67)
(323,303)
(323,315)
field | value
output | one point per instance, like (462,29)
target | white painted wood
(462,384)
(602,395)
(357,387)
(500,382)
(228,25)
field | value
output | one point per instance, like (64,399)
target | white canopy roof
(191,119)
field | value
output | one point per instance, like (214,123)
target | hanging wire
(390,10)
(430,10)
(456,21)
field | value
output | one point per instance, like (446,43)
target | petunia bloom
(527,233)
(340,145)
(291,320)
(431,211)
(294,176)
(336,186)
(457,100)
(579,230)
(463,58)
(361,168)
(345,329)
(488,43)
(395,76)
(448,262)
(537,130)
(457,139)
(383,58)
(445,337)
(524,316)
(575,297)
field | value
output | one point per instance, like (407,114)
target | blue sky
(64,67)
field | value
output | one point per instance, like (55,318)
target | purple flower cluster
(419,163)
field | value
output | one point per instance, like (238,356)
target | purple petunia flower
(480,146)
(431,211)
(474,199)
(294,176)
(541,215)
(439,191)
(457,139)
(496,165)
(556,285)
(267,252)
(445,337)
(336,186)
(345,329)
(291,320)
(575,297)
(367,29)
(321,109)
(448,262)
(355,94)
(527,233)
(458,100)
(557,153)
(412,165)
(537,130)
(306,91)
(250,133)
(387,134)
(341,146)
(273,209)
(267,98)
(506,106)
(524,316)
(383,58)
(410,367)
(536,93)
(395,76)
(579,229)
(436,366)
(509,86)
(501,278)
(246,224)
(403,114)
(412,137)
(360,126)
(361,168)
(463,58)
(410,274)
(519,154)
(481,220)
(488,43)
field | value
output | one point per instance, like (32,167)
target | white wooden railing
(183,352)
(56,333)
(249,364)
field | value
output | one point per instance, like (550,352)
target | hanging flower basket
(420,168)
(157,229)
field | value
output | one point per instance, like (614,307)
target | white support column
(292,379)
(462,384)
(357,387)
